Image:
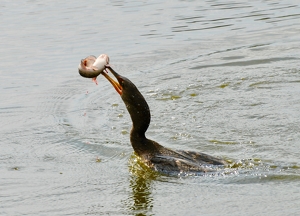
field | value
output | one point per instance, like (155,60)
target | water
(220,77)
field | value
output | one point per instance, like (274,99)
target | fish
(91,67)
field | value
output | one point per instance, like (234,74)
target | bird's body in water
(154,155)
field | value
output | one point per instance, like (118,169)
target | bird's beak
(116,84)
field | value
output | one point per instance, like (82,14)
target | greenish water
(220,77)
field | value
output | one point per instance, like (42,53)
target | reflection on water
(141,195)
(140,201)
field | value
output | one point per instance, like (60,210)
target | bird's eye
(121,82)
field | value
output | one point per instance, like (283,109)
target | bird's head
(127,90)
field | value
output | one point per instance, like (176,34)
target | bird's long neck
(140,115)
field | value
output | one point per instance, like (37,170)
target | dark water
(220,77)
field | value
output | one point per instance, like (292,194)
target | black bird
(154,155)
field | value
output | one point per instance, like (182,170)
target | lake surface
(220,77)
